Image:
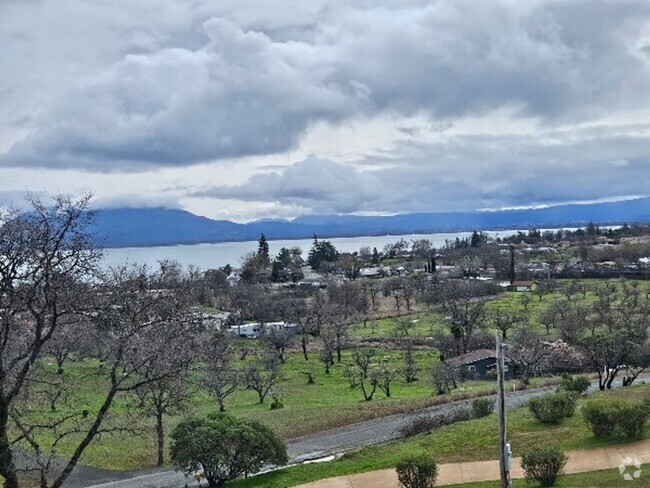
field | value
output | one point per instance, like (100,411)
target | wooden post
(504,455)
(513,274)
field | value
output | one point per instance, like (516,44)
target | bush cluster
(551,408)
(417,472)
(614,417)
(574,384)
(427,423)
(543,465)
(482,407)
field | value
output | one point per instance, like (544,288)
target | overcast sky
(274,108)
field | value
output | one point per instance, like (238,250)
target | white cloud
(410,105)
(317,184)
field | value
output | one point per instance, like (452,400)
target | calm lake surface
(207,256)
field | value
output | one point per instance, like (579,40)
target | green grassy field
(424,324)
(308,408)
(328,403)
(472,440)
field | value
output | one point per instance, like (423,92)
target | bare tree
(401,289)
(346,303)
(573,321)
(145,318)
(411,369)
(402,330)
(166,395)
(638,362)
(50,281)
(359,373)
(552,315)
(306,316)
(465,313)
(444,377)
(373,289)
(504,320)
(527,352)
(277,340)
(45,258)
(66,341)
(326,354)
(620,334)
(262,375)
(383,376)
(222,378)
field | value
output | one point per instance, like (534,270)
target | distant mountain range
(126,227)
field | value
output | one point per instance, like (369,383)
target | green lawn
(473,440)
(424,324)
(308,408)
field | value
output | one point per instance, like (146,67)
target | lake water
(206,256)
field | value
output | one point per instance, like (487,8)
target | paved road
(377,431)
(334,441)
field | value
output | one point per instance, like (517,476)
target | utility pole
(504,447)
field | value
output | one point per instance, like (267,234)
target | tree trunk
(160,434)
(214,482)
(90,435)
(304,347)
(7,466)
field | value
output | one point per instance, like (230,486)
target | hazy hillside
(159,226)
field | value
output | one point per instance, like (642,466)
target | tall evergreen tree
(263,250)
(321,252)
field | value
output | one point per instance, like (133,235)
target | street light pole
(504,447)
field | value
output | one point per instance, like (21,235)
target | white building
(253,330)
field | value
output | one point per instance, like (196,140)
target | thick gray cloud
(465,173)
(314,183)
(241,94)
(262,79)
(403,101)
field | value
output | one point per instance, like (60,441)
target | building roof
(472,357)
(523,283)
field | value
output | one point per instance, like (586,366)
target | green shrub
(551,408)
(607,418)
(646,404)
(482,407)
(574,384)
(600,416)
(417,472)
(543,464)
(631,420)
(200,441)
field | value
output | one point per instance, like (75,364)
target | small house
(373,272)
(523,286)
(480,364)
